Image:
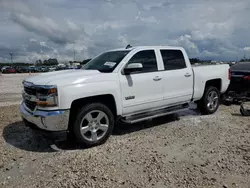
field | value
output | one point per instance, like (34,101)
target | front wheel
(210,101)
(94,124)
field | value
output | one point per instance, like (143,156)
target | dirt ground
(173,151)
(11,88)
(181,150)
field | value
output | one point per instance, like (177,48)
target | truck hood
(63,77)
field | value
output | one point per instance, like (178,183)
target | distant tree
(45,62)
(244,60)
(52,62)
(194,60)
(38,62)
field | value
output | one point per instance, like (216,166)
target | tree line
(47,62)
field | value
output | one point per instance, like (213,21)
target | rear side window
(173,59)
(148,60)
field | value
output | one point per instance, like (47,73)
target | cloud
(40,29)
(45,27)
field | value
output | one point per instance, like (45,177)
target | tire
(210,101)
(94,131)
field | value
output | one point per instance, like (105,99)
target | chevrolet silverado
(130,85)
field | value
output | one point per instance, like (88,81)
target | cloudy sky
(207,29)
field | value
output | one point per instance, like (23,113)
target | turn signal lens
(50,103)
(53,91)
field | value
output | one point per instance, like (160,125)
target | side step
(157,113)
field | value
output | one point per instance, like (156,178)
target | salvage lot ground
(10,88)
(173,151)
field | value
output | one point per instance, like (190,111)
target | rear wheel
(94,124)
(210,101)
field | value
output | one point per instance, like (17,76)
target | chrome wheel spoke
(215,99)
(94,135)
(103,127)
(100,116)
(85,129)
(89,117)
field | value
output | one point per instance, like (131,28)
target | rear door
(142,90)
(177,77)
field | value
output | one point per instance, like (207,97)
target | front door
(142,90)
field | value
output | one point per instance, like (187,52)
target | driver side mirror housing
(133,67)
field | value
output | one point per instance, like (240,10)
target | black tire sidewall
(204,108)
(82,112)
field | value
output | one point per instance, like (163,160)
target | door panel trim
(136,104)
(175,97)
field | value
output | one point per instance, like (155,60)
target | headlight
(47,96)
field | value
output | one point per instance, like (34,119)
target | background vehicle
(129,85)
(9,70)
(239,88)
(32,69)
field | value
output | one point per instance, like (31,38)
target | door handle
(157,78)
(187,75)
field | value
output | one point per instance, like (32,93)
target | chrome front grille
(29,96)
(31,105)
(30,90)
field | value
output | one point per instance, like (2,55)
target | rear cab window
(173,59)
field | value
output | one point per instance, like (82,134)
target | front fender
(70,93)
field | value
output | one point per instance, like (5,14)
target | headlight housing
(47,96)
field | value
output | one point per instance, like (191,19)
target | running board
(154,114)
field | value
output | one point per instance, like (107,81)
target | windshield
(106,62)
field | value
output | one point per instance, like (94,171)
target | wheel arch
(215,83)
(76,105)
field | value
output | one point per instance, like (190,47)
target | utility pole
(11,57)
(74,53)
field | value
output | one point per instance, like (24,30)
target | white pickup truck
(130,85)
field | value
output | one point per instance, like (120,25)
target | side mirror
(133,67)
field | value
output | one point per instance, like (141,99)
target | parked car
(52,69)
(32,69)
(8,70)
(239,88)
(4,67)
(129,85)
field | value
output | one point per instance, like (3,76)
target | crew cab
(130,85)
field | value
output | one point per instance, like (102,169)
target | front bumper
(46,120)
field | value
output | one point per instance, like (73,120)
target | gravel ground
(173,151)
(11,88)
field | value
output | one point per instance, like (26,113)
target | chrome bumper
(46,120)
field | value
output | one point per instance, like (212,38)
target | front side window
(106,62)
(148,60)
(173,59)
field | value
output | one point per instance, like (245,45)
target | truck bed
(209,72)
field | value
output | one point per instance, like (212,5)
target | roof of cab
(145,48)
